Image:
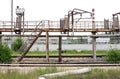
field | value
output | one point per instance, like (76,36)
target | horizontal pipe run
(71,72)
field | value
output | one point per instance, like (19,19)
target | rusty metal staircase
(27,45)
(27,41)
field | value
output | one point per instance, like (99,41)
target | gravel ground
(64,60)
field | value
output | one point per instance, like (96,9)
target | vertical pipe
(60,48)
(68,21)
(72,22)
(23,22)
(94,33)
(11,15)
(72,19)
(47,46)
(11,19)
(93,18)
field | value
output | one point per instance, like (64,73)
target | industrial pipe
(71,72)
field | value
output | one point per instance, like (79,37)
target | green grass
(95,74)
(113,55)
(31,75)
(65,52)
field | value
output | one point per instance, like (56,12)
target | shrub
(113,55)
(16,44)
(5,54)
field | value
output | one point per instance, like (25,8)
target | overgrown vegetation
(31,75)
(16,44)
(94,74)
(113,55)
(5,54)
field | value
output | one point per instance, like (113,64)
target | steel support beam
(47,46)
(60,48)
(94,46)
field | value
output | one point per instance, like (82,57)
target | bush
(113,55)
(16,44)
(5,54)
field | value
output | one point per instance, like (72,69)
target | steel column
(60,48)
(23,22)
(11,21)
(47,46)
(94,46)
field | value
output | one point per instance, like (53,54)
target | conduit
(71,72)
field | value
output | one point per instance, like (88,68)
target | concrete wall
(41,47)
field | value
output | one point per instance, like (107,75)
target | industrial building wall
(75,47)
(40,45)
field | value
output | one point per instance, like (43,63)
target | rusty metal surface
(83,26)
(59,29)
(26,51)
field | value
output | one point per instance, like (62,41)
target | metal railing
(56,24)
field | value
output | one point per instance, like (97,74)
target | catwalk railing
(5,26)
